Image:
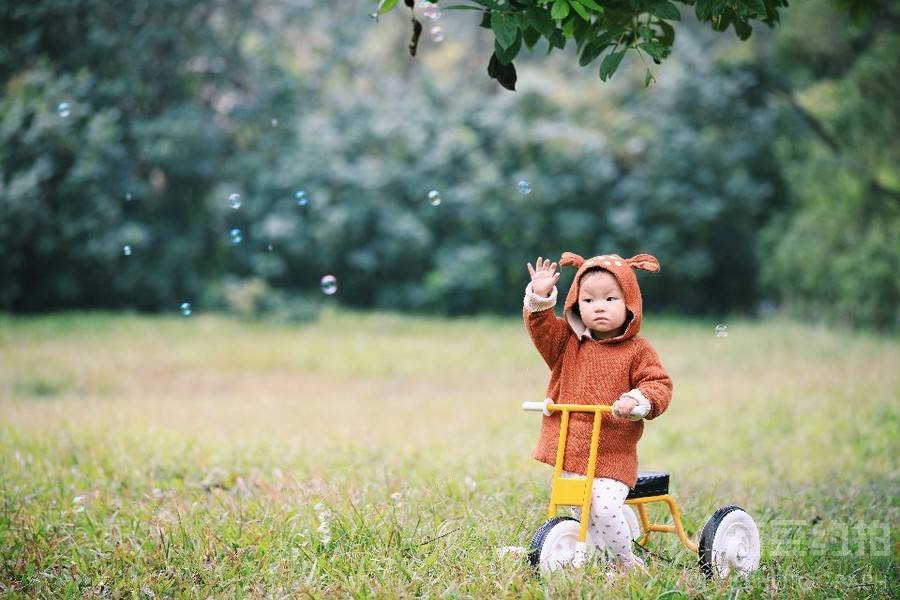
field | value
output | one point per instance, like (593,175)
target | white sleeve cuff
(535,303)
(643,407)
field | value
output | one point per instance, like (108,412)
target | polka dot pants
(608,527)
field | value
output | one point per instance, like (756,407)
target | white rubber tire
(559,546)
(729,543)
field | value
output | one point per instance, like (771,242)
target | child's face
(602,304)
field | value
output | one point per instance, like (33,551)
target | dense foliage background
(762,173)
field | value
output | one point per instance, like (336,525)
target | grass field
(383,456)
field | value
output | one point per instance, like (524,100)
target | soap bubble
(328,284)
(128,197)
(301,198)
(234,200)
(126,250)
(274,122)
(236,236)
(721,330)
(64,109)
(434,197)
(269,247)
(186,309)
(524,187)
(430,10)
(437,34)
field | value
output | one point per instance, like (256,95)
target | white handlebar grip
(639,411)
(538,406)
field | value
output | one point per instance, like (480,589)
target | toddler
(596,356)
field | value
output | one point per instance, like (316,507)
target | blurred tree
(836,253)
(180,104)
(149,89)
(704,185)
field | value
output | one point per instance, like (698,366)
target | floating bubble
(430,10)
(328,284)
(64,109)
(186,309)
(437,34)
(269,247)
(721,330)
(126,250)
(274,122)
(301,198)
(524,187)
(234,200)
(434,197)
(128,197)
(236,236)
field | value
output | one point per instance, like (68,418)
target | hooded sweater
(584,370)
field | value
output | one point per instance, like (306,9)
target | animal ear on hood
(570,259)
(645,262)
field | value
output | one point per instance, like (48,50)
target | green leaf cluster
(609,29)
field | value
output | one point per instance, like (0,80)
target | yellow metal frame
(577,492)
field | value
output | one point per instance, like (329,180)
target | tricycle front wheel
(555,544)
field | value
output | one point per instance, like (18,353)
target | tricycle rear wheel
(729,543)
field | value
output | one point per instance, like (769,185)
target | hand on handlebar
(623,406)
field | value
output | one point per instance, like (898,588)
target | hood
(623,270)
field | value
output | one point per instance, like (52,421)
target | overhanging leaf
(541,20)
(504,74)
(582,11)
(505,29)
(665,10)
(506,55)
(386,6)
(595,47)
(591,5)
(560,10)
(610,64)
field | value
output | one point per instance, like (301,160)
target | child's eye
(586,300)
(611,298)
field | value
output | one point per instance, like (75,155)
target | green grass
(198,457)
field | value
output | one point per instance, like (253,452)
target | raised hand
(543,276)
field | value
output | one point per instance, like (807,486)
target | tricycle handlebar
(548,406)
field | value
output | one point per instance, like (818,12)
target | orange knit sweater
(588,371)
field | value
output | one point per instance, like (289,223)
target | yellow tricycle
(728,542)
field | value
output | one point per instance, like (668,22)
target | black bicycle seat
(650,483)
